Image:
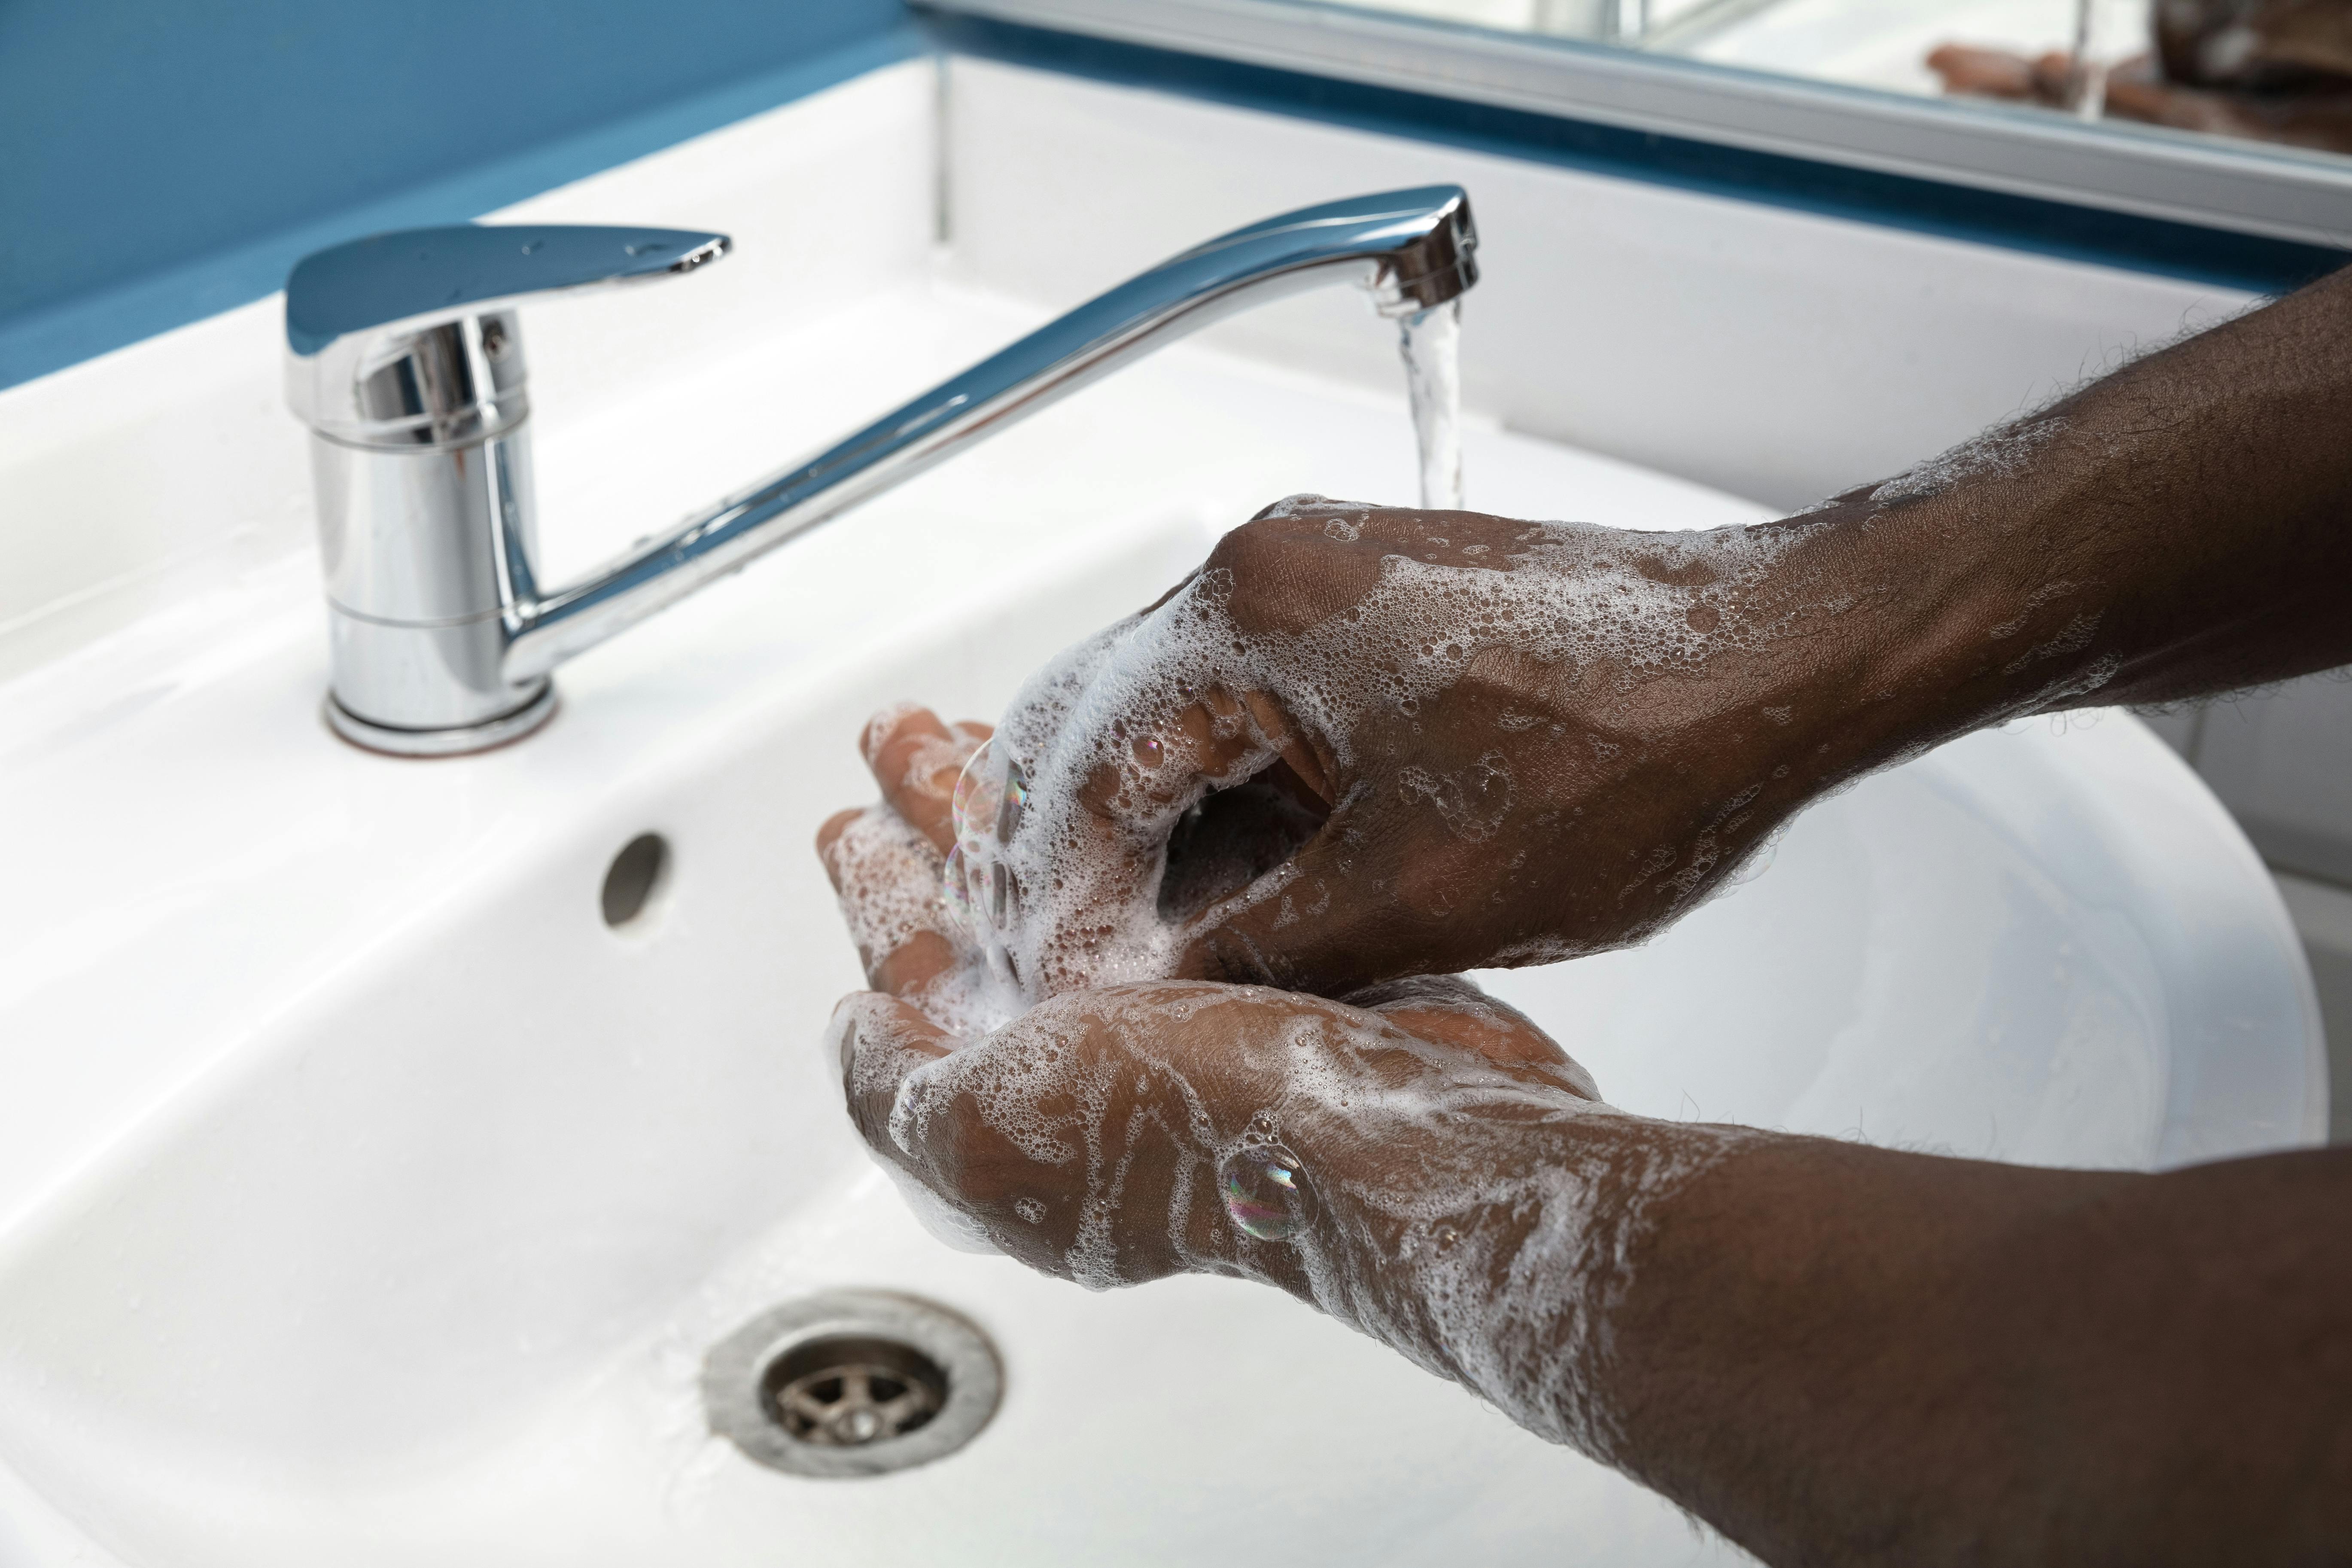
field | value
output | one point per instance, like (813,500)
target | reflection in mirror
(2276,71)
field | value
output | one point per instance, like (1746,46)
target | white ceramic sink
(364,1199)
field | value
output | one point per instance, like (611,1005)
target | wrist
(1900,624)
(1496,1250)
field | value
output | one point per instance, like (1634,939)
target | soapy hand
(1108,1135)
(1362,743)
(886,862)
(1120,1135)
(1418,1161)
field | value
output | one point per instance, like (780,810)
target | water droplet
(1264,1190)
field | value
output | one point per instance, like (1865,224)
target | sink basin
(366,1198)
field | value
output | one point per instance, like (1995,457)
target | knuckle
(1254,548)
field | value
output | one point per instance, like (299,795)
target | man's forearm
(1843,1354)
(1840,1355)
(2181,527)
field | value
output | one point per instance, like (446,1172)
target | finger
(910,968)
(887,877)
(1308,758)
(1454,1012)
(916,759)
(829,835)
(880,1041)
(1450,1010)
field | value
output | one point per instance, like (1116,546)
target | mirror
(2270,72)
(2218,120)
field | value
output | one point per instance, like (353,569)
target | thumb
(881,1042)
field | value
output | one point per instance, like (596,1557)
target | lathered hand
(885,863)
(1393,1159)
(1095,1137)
(1487,740)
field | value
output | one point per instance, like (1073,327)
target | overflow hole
(638,873)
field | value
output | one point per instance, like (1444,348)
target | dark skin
(1833,1353)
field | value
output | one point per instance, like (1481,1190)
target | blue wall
(160,159)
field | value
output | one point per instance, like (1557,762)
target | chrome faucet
(404,357)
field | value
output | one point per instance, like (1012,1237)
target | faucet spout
(1412,248)
(480,676)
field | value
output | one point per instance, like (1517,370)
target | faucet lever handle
(380,331)
(417,277)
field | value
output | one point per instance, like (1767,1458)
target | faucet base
(451,742)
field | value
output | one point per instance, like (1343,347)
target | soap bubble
(991,795)
(1012,800)
(981,891)
(955,885)
(1264,1190)
(979,797)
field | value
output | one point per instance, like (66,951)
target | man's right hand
(1364,742)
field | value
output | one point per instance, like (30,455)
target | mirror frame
(2276,192)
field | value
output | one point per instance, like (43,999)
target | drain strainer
(857,1382)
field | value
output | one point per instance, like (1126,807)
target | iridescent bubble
(979,796)
(1013,799)
(1264,1190)
(955,885)
(1004,896)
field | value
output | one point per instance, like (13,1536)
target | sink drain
(857,1382)
(845,1393)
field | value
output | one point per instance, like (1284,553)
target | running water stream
(1432,343)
